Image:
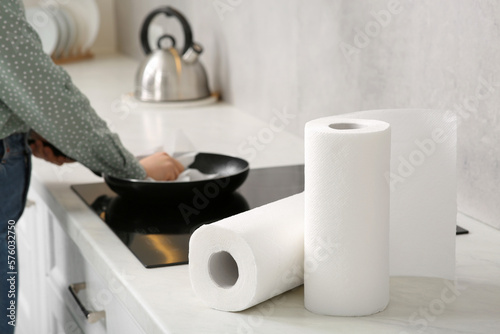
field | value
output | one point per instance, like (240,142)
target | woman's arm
(41,95)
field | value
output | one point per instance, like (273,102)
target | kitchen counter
(162,300)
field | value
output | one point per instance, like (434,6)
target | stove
(158,234)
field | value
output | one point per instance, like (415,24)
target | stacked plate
(67,28)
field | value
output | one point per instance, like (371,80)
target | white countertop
(162,300)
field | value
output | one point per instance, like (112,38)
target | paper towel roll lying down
(245,259)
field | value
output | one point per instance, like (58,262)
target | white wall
(274,54)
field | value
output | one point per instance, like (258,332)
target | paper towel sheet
(423,191)
(422,182)
(181,148)
(189,174)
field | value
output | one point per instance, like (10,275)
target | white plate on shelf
(46,27)
(62,28)
(92,14)
(72,31)
(74,9)
(86,16)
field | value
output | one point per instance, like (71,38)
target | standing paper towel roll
(245,259)
(346,204)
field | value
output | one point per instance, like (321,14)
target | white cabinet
(32,311)
(50,262)
(66,266)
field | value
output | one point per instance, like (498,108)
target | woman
(39,96)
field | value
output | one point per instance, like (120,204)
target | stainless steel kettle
(167,75)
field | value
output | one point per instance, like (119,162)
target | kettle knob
(162,38)
(169,11)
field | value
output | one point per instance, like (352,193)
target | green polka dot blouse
(35,93)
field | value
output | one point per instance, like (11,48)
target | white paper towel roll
(347,204)
(243,260)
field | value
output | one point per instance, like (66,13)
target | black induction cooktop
(158,233)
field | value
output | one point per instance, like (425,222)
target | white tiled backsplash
(311,58)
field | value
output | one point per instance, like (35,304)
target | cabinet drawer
(66,266)
(61,321)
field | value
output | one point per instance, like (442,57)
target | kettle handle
(169,11)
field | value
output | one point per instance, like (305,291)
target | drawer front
(64,264)
(61,321)
(66,267)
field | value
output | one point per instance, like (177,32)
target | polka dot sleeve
(35,93)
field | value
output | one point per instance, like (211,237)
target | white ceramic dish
(86,16)
(74,8)
(91,13)
(63,32)
(46,27)
(72,31)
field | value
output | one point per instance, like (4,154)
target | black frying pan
(196,194)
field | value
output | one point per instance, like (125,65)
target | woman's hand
(46,153)
(162,167)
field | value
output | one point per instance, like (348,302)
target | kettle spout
(192,53)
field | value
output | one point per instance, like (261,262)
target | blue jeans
(15,170)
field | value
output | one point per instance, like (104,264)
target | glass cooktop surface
(158,233)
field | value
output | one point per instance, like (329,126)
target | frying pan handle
(169,11)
